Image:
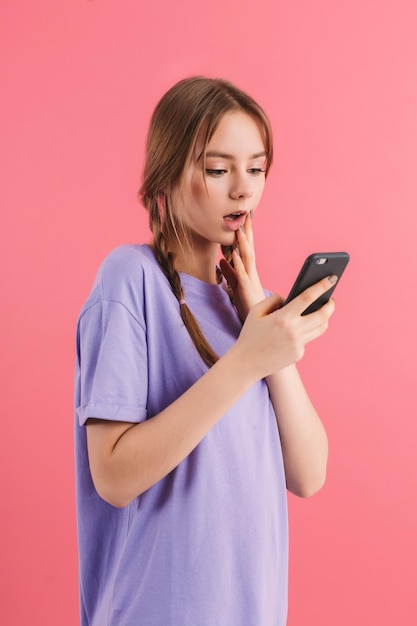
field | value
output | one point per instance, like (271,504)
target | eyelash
(217,173)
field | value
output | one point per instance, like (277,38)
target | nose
(241,188)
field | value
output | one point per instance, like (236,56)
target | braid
(227,253)
(166,259)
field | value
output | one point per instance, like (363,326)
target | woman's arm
(303,437)
(126,459)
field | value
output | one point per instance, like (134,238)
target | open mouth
(235,216)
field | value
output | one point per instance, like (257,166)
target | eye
(215,173)
(256,171)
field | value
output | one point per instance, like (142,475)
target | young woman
(191,417)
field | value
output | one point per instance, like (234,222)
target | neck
(200,264)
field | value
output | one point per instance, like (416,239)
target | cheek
(262,187)
(195,188)
(259,190)
(199,191)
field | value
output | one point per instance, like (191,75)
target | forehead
(237,132)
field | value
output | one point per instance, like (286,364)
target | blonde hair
(188,113)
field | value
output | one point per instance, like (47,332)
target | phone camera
(321,261)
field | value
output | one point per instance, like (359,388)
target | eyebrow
(223,155)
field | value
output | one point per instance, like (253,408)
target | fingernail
(332,279)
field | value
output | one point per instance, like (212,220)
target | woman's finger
(249,229)
(311,294)
(245,246)
(239,263)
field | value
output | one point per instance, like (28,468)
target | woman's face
(214,202)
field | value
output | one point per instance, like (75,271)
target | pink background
(339,79)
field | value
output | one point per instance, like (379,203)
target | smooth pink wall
(79,81)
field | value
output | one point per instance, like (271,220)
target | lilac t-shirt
(207,545)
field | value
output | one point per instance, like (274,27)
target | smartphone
(316,267)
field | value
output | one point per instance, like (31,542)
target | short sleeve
(112,365)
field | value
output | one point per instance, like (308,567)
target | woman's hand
(243,277)
(289,331)
(274,336)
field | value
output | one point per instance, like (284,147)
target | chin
(229,239)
